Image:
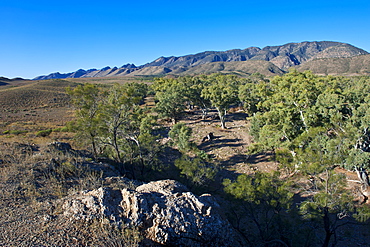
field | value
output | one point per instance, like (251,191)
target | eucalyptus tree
(328,201)
(127,127)
(315,124)
(198,171)
(193,86)
(286,108)
(115,122)
(318,120)
(222,92)
(86,99)
(118,106)
(170,98)
(254,90)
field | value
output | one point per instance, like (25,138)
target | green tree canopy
(222,92)
(86,99)
(113,121)
(170,98)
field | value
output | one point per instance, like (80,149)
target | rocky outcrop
(165,211)
(292,54)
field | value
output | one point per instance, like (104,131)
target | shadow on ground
(218,142)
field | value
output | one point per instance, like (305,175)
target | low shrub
(14,132)
(44,133)
(62,129)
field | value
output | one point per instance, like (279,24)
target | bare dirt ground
(230,145)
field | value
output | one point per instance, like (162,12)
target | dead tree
(364,180)
(363,143)
(362,176)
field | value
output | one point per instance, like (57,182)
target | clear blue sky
(39,37)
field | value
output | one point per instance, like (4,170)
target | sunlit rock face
(165,211)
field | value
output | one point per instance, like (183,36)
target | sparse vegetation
(308,133)
(14,132)
(61,129)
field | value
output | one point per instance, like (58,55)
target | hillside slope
(33,101)
(359,65)
(242,68)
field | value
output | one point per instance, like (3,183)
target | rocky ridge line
(283,56)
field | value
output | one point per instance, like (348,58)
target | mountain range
(326,57)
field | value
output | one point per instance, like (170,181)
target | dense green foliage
(217,90)
(170,98)
(298,110)
(180,134)
(313,124)
(196,170)
(222,91)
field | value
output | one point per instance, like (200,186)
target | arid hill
(358,65)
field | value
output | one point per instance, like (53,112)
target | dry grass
(34,106)
(32,180)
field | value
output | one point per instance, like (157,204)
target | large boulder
(165,211)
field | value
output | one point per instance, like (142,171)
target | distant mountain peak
(105,68)
(128,66)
